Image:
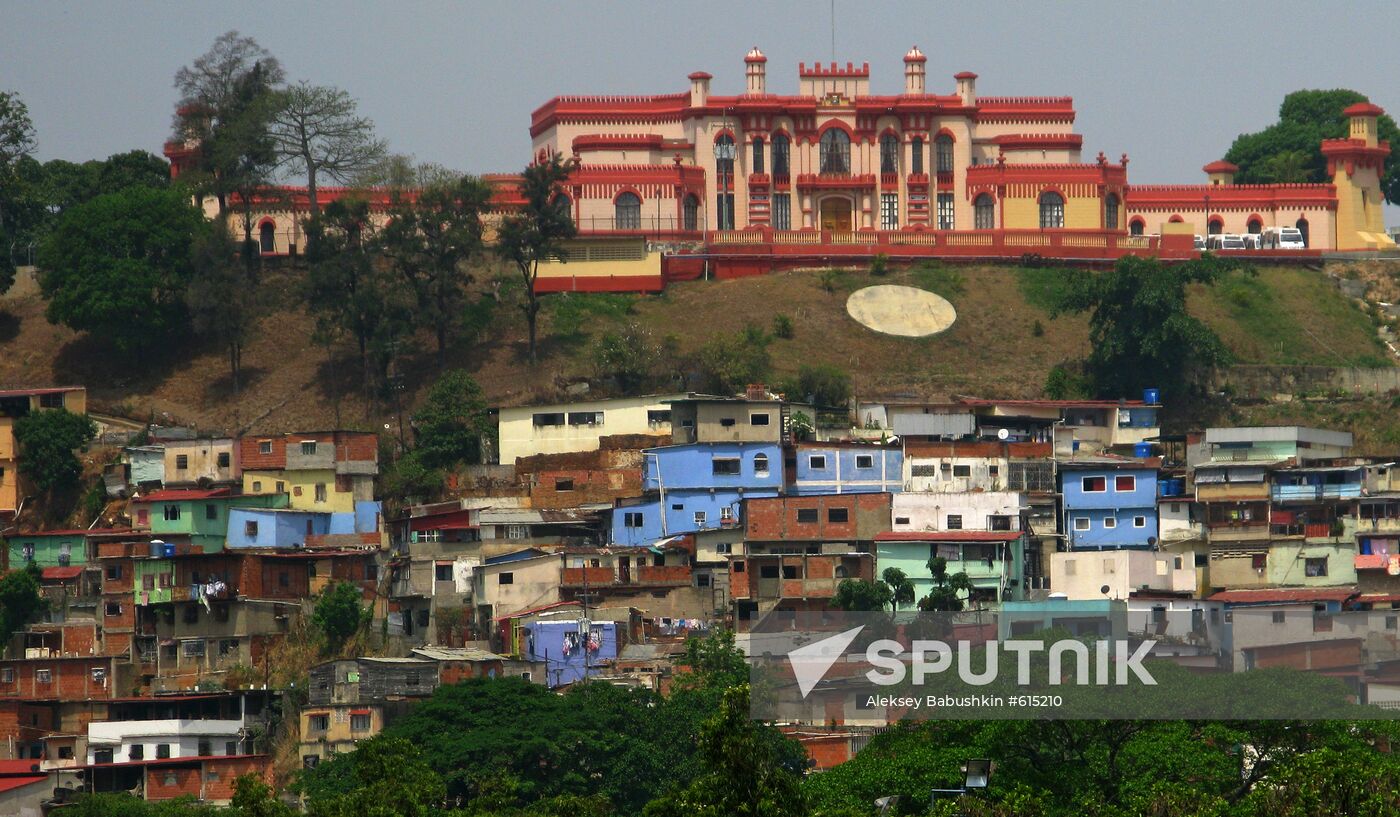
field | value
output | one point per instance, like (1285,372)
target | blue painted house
(569,655)
(845,468)
(1109,502)
(289,528)
(700,486)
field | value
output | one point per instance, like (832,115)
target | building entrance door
(836,215)
(624,566)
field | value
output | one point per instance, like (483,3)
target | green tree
(118,266)
(226,104)
(635,358)
(389,778)
(728,363)
(824,385)
(20,601)
(351,292)
(254,798)
(860,595)
(432,241)
(742,771)
(948,590)
(901,589)
(17,143)
(713,662)
(222,298)
(1290,150)
(1140,332)
(317,130)
(537,230)
(49,440)
(339,614)
(448,429)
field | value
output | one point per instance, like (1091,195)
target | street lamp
(977,773)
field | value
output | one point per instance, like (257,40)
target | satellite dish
(1002,434)
(1104,590)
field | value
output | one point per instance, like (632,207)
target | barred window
(628,212)
(889,211)
(782,211)
(690,212)
(984,210)
(1052,210)
(1110,212)
(943,153)
(758,155)
(780,155)
(835,151)
(917,152)
(889,153)
(945,211)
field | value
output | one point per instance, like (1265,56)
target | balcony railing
(976,243)
(1304,493)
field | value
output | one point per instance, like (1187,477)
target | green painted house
(197,515)
(52,548)
(994,561)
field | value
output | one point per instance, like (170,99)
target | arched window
(1052,210)
(627,214)
(760,465)
(758,154)
(1216,226)
(1110,212)
(780,155)
(1302,225)
(267,238)
(835,151)
(690,212)
(943,153)
(1255,226)
(889,153)
(1137,226)
(917,150)
(1176,219)
(984,212)
(724,170)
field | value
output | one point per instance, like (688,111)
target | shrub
(782,327)
(880,265)
(938,279)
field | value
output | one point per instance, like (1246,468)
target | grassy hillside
(1003,344)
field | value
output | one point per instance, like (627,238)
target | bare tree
(317,131)
(537,230)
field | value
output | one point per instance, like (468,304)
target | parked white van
(1200,243)
(1225,241)
(1252,241)
(1283,238)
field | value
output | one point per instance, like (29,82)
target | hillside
(1003,344)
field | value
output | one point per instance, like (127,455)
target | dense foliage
(48,440)
(450,426)
(1290,150)
(339,615)
(20,601)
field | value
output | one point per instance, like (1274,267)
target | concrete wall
(1269,381)
(1082,576)
(930,512)
(521,437)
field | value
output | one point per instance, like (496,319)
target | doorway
(836,214)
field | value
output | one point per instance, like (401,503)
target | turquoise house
(994,561)
(53,548)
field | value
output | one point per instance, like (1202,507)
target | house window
(257,486)
(137,751)
(780,156)
(308,448)
(901,520)
(182,462)
(916,153)
(865,461)
(114,608)
(725,466)
(320,492)
(1315,568)
(806,515)
(1125,484)
(250,529)
(1391,622)
(726,422)
(585,418)
(281,487)
(223,459)
(265,446)
(359,723)
(506,578)
(114,572)
(7,675)
(319,723)
(172,513)
(1136,227)
(759,418)
(1278,616)
(835,152)
(562,484)
(889,211)
(699,519)
(43,676)
(442,573)
(817,462)
(656,417)
(1052,210)
(632,519)
(724,547)
(1081,523)
(955,521)
(962,470)
(549,418)
(760,465)
(1110,522)
(52,400)
(943,153)
(148,582)
(782,211)
(1139,521)
(945,211)
(984,212)
(1110,212)
(1094,485)
(143,517)
(837,514)
(1001,522)
(757,155)
(690,213)
(726,514)
(889,153)
(211,511)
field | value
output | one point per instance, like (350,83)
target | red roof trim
(1221,166)
(1363,109)
(12,783)
(1275,596)
(61,573)
(39,392)
(948,536)
(184,494)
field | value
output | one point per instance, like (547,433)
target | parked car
(1252,241)
(1200,243)
(1225,241)
(1283,238)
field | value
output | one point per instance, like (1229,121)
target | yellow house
(319,470)
(15,404)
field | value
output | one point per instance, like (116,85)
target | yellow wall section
(306,481)
(595,262)
(1080,214)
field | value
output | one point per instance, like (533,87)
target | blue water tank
(1076,446)
(168,550)
(1152,397)
(1142,450)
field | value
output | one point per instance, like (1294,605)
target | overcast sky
(1171,84)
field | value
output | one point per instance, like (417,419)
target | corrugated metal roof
(948,536)
(62,573)
(184,494)
(457,654)
(1284,595)
(939,425)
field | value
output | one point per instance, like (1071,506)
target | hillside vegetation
(1003,344)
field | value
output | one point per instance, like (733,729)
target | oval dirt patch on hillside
(903,311)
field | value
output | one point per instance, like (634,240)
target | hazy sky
(1170,83)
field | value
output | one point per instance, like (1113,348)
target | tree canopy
(117,266)
(20,601)
(449,427)
(1290,150)
(317,130)
(48,440)
(537,230)
(339,614)
(16,143)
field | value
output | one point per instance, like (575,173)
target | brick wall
(587,486)
(782,518)
(68,678)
